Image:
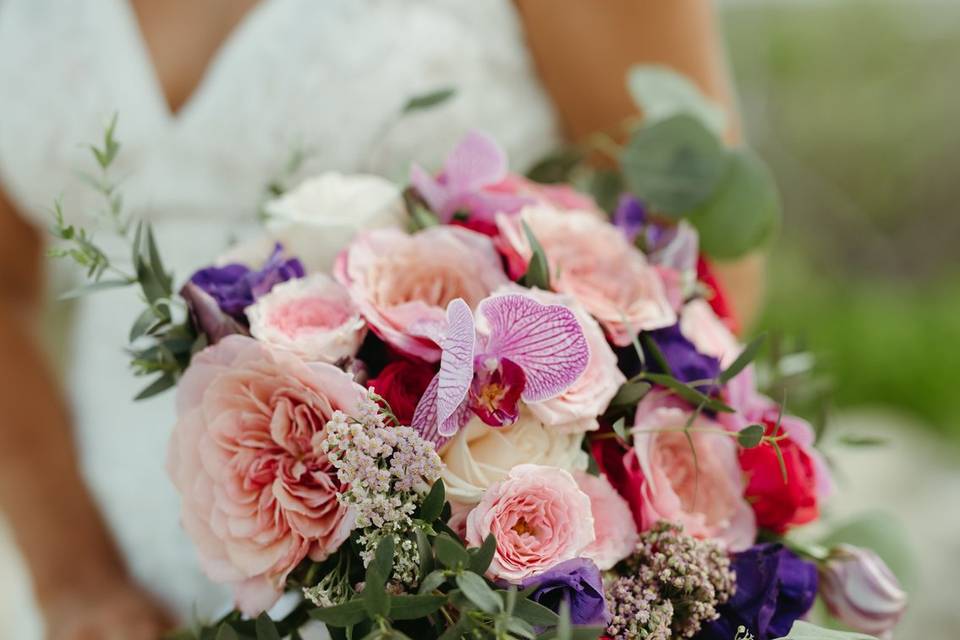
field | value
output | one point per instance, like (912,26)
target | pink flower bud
(861,591)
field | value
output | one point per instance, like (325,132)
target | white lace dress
(327,75)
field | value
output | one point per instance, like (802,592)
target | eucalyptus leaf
(750,436)
(226,632)
(432,581)
(409,607)
(674,165)
(538,269)
(383,556)
(481,557)
(556,166)
(374,596)
(450,552)
(428,100)
(746,356)
(805,631)
(341,615)
(535,613)
(266,629)
(661,92)
(744,211)
(433,504)
(477,591)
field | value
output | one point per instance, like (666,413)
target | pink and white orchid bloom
(469,181)
(516,348)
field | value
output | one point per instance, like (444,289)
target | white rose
(480,455)
(312,317)
(318,218)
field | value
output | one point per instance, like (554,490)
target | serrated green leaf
(538,269)
(408,607)
(744,211)
(674,165)
(477,591)
(746,356)
(433,503)
(750,436)
(428,100)
(481,557)
(661,92)
(341,615)
(266,629)
(450,552)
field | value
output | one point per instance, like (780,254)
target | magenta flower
(519,349)
(471,182)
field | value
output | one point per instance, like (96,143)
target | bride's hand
(119,611)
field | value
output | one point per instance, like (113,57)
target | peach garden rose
(258,493)
(539,518)
(592,261)
(402,283)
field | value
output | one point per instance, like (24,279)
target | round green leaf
(661,92)
(674,165)
(750,436)
(743,212)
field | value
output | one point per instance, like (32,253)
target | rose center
(523,528)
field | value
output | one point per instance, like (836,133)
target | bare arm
(74,564)
(583,50)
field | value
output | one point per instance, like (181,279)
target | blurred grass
(854,105)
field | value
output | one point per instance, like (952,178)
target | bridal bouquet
(482,406)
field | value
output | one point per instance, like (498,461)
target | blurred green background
(854,106)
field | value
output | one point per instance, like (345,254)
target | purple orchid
(519,349)
(468,181)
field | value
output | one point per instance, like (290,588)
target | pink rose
(708,333)
(703,493)
(313,317)
(592,261)
(539,517)
(402,283)
(576,409)
(259,494)
(616,534)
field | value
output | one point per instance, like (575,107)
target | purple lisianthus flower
(630,216)
(236,286)
(207,316)
(576,581)
(685,362)
(774,589)
(669,244)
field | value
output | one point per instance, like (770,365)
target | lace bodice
(328,75)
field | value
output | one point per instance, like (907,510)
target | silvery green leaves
(678,165)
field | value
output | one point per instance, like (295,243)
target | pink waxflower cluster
(505,386)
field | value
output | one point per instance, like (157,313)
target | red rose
(402,383)
(622,469)
(778,504)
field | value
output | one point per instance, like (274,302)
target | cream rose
(318,218)
(479,455)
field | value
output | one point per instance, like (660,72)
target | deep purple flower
(630,216)
(774,589)
(685,362)
(575,581)
(236,286)
(675,245)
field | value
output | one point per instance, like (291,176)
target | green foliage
(805,631)
(663,93)
(750,436)
(428,100)
(538,269)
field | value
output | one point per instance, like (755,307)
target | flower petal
(456,361)
(477,161)
(546,341)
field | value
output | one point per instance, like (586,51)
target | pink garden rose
(704,494)
(402,283)
(259,494)
(539,518)
(616,534)
(592,261)
(576,409)
(700,325)
(313,317)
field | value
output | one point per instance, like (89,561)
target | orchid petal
(434,193)
(477,161)
(456,363)
(546,341)
(424,419)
